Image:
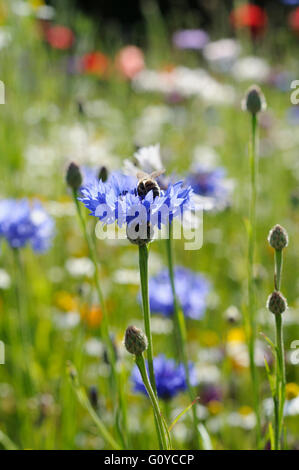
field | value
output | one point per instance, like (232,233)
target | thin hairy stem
(180,328)
(251,284)
(155,404)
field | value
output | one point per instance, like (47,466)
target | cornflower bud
(278,238)
(103,174)
(135,340)
(140,234)
(254,100)
(73,176)
(276,303)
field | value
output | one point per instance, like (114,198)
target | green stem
(280,361)
(83,399)
(117,390)
(155,404)
(180,328)
(23,321)
(251,286)
(143,266)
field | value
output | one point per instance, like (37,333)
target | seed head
(276,303)
(254,100)
(278,237)
(73,176)
(135,340)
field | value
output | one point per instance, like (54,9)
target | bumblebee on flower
(140,205)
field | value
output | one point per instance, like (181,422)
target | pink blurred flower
(130,61)
(59,37)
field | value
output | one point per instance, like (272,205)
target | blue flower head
(170,377)
(191,288)
(118,201)
(23,223)
(211,184)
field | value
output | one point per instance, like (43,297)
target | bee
(147,183)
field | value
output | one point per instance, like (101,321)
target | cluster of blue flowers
(23,223)
(191,288)
(170,377)
(117,200)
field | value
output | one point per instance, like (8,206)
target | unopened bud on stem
(278,238)
(276,303)
(135,340)
(254,100)
(73,176)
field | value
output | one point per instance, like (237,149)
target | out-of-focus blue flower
(290,2)
(190,39)
(170,377)
(293,115)
(117,200)
(210,183)
(22,223)
(191,288)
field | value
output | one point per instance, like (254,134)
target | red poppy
(251,17)
(130,61)
(95,63)
(294,20)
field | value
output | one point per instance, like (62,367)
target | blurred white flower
(242,420)
(94,347)
(78,267)
(45,12)
(127,276)
(5,280)
(5,37)
(222,54)
(205,156)
(251,68)
(149,126)
(66,321)
(291,407)
(185,82)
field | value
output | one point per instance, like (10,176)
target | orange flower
(95,63)
(92,316)
(130,61)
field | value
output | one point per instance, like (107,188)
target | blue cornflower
(170,377)
(118,201)
(22,223)
(191,288)
(211,184)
